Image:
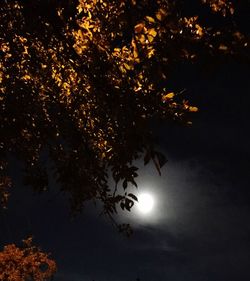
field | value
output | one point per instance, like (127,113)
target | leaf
(152,32)
(168,96)
(157,166)
(118,198)
(151,52)
(223,47)
(193,109)
(26,77)
(133,196)
(150,38)
(150,19)
(129,204)
(127,66)
(141,38)
(161,14)
(135,51)
(133,182)
(139,27)
(161,159)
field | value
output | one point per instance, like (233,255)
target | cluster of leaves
(222,6)
(26,263)
(82,80)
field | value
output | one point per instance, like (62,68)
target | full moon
(145,203)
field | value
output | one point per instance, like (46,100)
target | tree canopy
(82,80)
(25,263)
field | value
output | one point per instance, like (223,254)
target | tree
(26,263)
(82,80)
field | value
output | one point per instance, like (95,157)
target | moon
(145,203)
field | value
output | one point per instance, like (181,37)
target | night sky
(199,229)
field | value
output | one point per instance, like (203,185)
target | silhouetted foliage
(82,80)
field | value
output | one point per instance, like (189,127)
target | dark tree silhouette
(82,80)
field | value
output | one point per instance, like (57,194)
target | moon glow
(145,203)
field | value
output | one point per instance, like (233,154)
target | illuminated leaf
(150,38)
(139,28)
(150,19)
(168,96)
(223,47)
(161,14)
(152,32)
(127,66)
(142,39)
(151,52)
(193,109)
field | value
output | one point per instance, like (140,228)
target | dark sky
(200,230)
